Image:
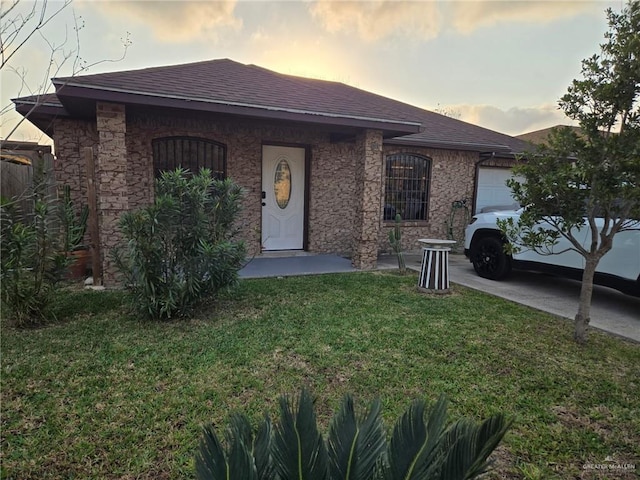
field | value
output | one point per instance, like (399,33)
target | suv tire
(489,258)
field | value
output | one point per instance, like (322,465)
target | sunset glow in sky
(499,64)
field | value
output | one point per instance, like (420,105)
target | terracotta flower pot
(78,266)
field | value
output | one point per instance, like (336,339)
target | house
(325,166)
(492,190)
(540,137)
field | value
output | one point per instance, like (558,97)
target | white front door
(283,183)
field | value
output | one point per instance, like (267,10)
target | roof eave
(40,113)
(448,145)
(27,108)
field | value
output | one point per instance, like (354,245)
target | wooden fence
(17,179)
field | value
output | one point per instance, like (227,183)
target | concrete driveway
(611,311)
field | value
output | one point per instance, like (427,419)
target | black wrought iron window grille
(191,153)
(407,187)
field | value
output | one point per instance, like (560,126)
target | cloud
(378,19)
(513,121)
(260,37)
(470,15)
(177,21)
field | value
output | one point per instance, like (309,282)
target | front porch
(294,263)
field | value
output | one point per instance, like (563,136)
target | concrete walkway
(611,311)
(300,264)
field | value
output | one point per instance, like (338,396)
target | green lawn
(102,395)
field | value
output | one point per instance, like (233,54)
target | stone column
(111,182)
(367,198)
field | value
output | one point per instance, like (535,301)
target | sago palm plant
(422,445)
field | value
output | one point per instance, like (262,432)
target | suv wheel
(489,258)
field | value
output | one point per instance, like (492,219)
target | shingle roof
(541,136)
(217,80)
(446,132)
(253,88)
(232,83)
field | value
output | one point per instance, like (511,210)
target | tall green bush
(422,446)
(31,263)
(181,249)
(73,222)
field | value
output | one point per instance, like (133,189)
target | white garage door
(492,190)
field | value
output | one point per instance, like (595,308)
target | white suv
(484,246)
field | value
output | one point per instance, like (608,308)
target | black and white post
(434,273)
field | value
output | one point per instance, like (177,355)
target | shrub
(356,446)
(73,223)
(31,263)
(180,249)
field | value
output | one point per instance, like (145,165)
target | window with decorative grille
(190,153)
(407,187)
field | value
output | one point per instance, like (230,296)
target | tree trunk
(583,317)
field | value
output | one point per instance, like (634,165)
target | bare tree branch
(18,29)
(42,22)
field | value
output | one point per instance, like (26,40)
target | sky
(502,65)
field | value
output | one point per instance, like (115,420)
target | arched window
(189,152)
(407,187)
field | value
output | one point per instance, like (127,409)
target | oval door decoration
(282,184)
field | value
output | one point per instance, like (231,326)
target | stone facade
(70,137)
(368,154)
(499,162)
(452,179)
(331,175)
(345,179)
(331,206)
(111,182)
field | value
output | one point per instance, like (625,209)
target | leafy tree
(589,180)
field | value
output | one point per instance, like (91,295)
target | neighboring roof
(15,158)
(21,153)
(23,146)
(539,137)
(228,87)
